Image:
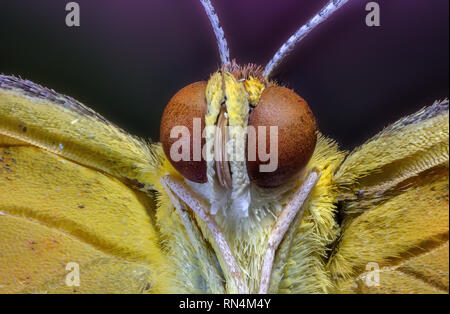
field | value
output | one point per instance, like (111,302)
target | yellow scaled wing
(85,191)
(394,200)
(54,211)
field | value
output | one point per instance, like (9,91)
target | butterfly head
(239,133)
(236,130)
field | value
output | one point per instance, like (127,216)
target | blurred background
(128,58)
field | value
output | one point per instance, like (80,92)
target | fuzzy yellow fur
(394,199)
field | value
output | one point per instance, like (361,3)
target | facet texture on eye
(283,108)
(181,129)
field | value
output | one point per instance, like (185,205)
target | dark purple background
(129,57)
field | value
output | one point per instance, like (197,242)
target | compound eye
(280,106)
(188,105)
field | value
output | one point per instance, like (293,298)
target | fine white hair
(218,31)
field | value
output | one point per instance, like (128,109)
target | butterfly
(75,188)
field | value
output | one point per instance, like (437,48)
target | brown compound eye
(277,106)
(280,106)
(187,104)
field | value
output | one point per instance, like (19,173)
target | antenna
(301,33)
(218,31)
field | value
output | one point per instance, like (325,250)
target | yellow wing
(82,214)
(69,182)
(54,212)
(394,197)
(62,125)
